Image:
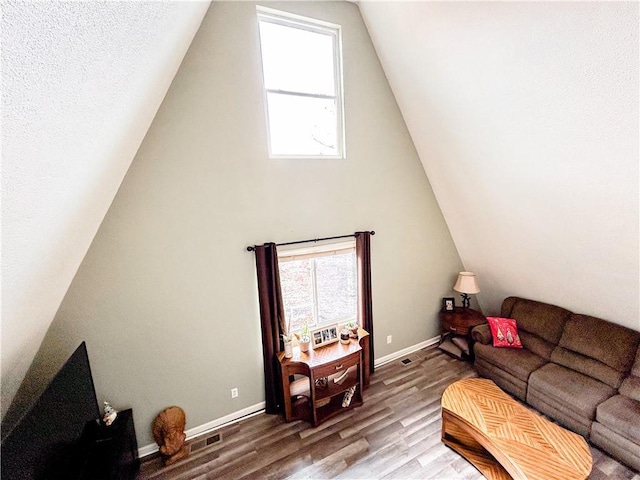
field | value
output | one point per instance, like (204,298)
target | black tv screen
(45,443)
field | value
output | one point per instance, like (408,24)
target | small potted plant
(352,325)
(304,338)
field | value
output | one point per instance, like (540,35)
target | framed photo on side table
(448,304)
(324,336)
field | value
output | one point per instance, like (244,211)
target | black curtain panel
(272,322)
(365,304)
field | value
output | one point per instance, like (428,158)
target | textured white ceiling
(525,117)
(81,84)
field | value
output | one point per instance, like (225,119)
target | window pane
(297,60)
(302,125)
(336,287)
(297,293)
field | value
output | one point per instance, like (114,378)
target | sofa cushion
(569,390)
(503,379)
(481,333)
(544,320)
(616,445)
(519,363)
(536,344)
(504,332)
(622,415)
(631,385)
(559,413)
(539,324)
(631,388)
(597,348)
(635,369)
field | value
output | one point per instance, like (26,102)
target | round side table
(460,322)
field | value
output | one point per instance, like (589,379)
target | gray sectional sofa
(582,371)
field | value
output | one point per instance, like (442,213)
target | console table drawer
(337,366)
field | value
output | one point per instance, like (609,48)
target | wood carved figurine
(168,432)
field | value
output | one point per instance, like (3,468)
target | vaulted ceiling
(525,117)
(82,82)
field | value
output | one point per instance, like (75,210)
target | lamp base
(465,300)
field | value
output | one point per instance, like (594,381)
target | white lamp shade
(466,283)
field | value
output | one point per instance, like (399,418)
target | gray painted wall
(166,296)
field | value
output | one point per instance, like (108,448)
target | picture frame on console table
(448,304)
(324,336)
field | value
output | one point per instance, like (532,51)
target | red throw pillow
(504,332)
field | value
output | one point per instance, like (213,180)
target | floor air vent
(206,442)
(406,361)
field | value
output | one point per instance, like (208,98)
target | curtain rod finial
(250,249)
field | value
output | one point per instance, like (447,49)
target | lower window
(319,285)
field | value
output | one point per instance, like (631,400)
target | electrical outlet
(234,393)
(388,338)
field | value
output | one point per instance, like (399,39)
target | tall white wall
(166,296)
(81,82)
(525,117)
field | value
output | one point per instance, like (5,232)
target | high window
(319,285)
(302,74)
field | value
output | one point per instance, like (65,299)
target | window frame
(286,19)
(293,254)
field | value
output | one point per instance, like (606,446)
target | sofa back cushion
(597,348)
(539,324)
(635,369)
(631,385)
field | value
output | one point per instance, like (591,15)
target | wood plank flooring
(394,435)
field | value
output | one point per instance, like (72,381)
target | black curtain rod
(252,248)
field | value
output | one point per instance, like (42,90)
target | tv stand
(112,450)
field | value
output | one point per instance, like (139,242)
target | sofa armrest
(482,334)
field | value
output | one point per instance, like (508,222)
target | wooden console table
(304,399)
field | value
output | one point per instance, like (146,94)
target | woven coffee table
(504,439)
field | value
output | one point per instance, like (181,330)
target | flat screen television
(46,443)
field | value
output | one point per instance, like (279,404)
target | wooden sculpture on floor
(168,432)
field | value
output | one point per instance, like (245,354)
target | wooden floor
(395,435)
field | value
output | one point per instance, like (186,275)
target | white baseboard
(259,407)
(212,425)
(405,351)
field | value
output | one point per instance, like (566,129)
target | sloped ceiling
(82,82)
(525,117)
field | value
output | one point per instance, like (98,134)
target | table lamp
(466,284)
